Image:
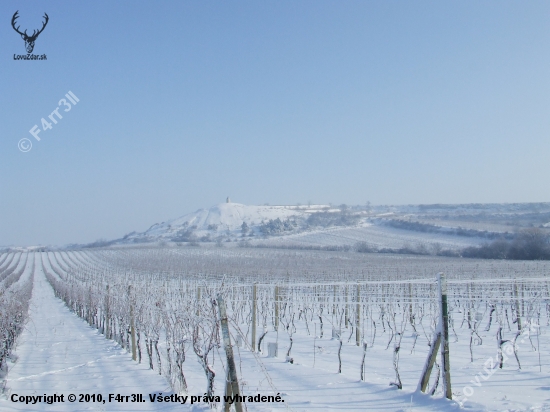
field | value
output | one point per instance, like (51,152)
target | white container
(272,350)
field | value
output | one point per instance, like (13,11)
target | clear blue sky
(183,103)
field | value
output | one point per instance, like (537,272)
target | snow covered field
(60,353)
(376,236)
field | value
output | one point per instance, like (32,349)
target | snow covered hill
(224,220)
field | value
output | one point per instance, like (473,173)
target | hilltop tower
(228,200)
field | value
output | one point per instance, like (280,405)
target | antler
(43,26)
(15,16)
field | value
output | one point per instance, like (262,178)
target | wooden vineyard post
(89,318)
(106,309)
(198,300)
(470,305)
(276,320)
(358,316)
(254,292)
(346,314)
(518,314)
(232,382)
(444,319)
(334,299)
(440,341)
(411,320)
(522,299)
(132,324)
(428,366)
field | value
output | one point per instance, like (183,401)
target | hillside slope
(223,220)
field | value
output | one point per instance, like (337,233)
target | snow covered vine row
(15,294)
(154,310)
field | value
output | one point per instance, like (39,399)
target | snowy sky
(183,103)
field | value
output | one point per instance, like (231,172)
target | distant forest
(529,244)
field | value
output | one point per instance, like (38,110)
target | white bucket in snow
(272,350)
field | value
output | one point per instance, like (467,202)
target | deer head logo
(29,40)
